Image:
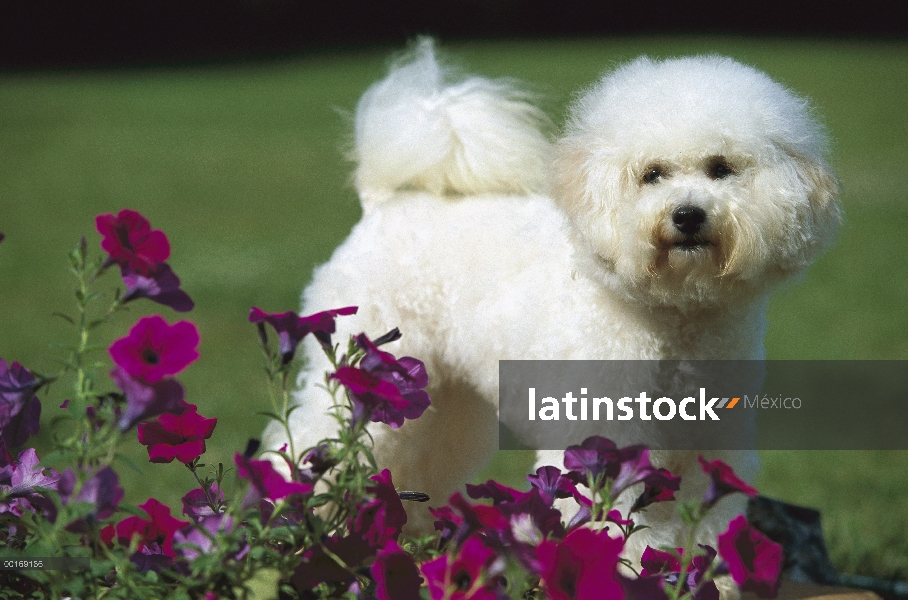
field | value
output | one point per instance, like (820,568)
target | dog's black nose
(688,219)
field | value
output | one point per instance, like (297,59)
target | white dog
(682,194)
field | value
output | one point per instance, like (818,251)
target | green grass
(243,167)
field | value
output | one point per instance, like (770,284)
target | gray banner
(705,405)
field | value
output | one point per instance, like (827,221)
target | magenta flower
(489,520)
(447,522)
(635,468)
(595,457)
(383,517)
(153,349)
(130,241)
(643,588)
(465,577)
(658,562)
(615,517)
(265,482)
(176,436)
(723,481)
(395,574)
(102,491)
(144,400)
(292,328)
(159,528)
(754,561)
(197,538)
(318,566)
(583,566)
(161,286)
(553,484)
(196,503)
(659,486)
(494,491)
(383,388)
(20,410)
(667,566)
(599,459)
(151,557)
(530,514)
(320,461)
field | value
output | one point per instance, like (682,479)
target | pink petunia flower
(383,517)
(395,574)
(130,241)
(583,566)
(318,565)
(176,436)
(161,286)
(754,561)
(198,538)
(144,400)
(464,577)
(265,481)
(292,328)
(447,522)
(102,491)
(600,459)
(553,484)
(159,528)
(667,566)
(515,523)
(153,349)
(659,486)
(196,503)
(595,457)
(383,388)
(723,481)
(20,409)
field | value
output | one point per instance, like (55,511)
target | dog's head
(695,180)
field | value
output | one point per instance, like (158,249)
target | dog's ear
(586,187)
(822,190)
(570,179)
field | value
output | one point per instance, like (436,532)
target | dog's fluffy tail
(416,130)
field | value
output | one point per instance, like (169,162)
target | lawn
(243,167)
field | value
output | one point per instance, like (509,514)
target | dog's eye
(653,173)
(718,168)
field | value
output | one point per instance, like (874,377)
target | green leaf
(64,317)
(267,413)
(96,323)
(371,459)
(132,510)
(54,458)
(127,461)
(319,500)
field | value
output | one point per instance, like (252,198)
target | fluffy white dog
(681,195)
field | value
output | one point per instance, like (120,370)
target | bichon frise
(682,194)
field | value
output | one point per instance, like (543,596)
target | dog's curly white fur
(682,194)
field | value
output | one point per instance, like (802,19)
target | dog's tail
(415,130)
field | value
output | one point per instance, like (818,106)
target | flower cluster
(325,521)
